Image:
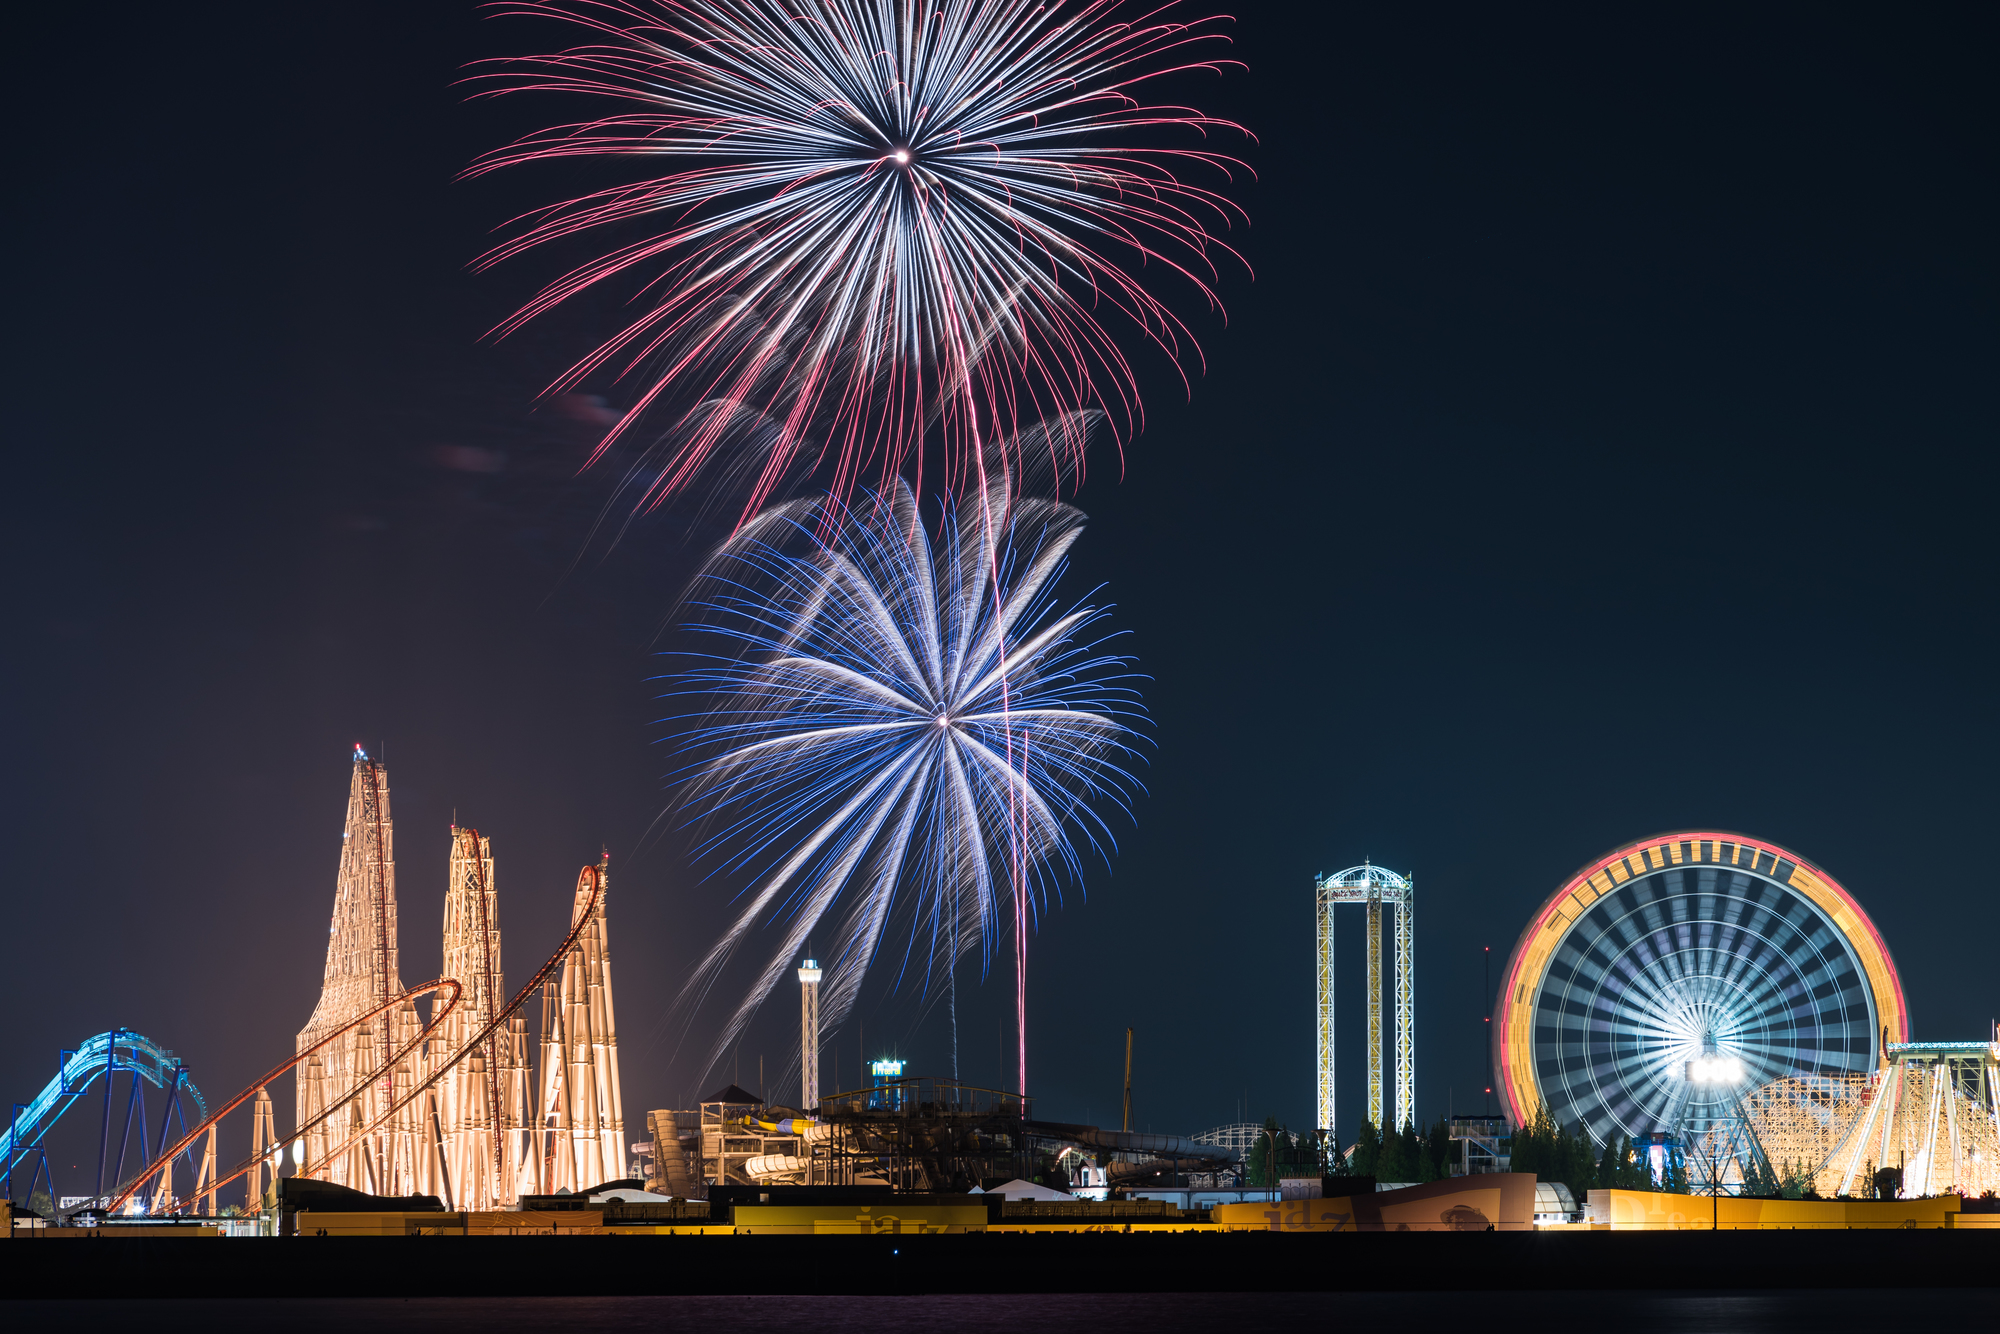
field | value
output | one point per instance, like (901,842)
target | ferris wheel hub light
(1715,1070)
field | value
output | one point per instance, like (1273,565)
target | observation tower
(809,976)
(1667,980)
(1375,888)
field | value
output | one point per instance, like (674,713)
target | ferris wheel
(1670,977)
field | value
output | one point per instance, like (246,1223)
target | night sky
(1602,447)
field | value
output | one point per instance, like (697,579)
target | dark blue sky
(1604,447)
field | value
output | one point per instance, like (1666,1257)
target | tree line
(1555,1154)
(1542,1147)
(1550,1151)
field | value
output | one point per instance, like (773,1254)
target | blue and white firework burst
(911,729)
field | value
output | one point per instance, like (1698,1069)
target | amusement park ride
(454,1117)
(1706,993)
(390,1102)
(105,1056)
(1375,888)
(1724,994)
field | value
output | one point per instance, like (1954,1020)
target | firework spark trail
(863,750)
(885,216)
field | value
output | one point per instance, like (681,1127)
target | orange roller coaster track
(588,875)
(165,1159)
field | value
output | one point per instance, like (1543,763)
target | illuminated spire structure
(362,974)
(582,1107)
(478,1113)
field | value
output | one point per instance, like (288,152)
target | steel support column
(1951,1124)
(1375,1008)
(1938,1076)
(1323,934)
(1860,1136)
(1406,981)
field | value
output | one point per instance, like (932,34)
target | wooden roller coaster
(363,1061)
(589,881)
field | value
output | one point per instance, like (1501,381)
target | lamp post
(1713,1069)
(1714,1188)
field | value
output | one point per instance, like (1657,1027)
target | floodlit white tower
(1374,887)
(809,1036)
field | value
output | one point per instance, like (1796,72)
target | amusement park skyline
(1598,451)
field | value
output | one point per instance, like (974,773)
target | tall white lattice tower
(1375,888)
(809,976)
(582,1108)
(479,1109)
(361,975)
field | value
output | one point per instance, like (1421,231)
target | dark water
(1821,1311)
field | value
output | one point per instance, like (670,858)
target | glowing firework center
(1669,978)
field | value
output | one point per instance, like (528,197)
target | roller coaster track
(379,907)
(120,1050)
(528,989)
(521,997)
(165,1159)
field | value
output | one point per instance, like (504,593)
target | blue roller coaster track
(104,1057)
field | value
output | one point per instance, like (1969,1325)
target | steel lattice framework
(1375,888)
(478,1115)
(104,1057)
(583,1115)
(440,1108)
(1801,1121)
(455,1114)
(1933,1111)
(362,974)
(1239,1137)
(809,978)
(1686,945)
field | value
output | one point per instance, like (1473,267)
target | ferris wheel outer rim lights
(1513,1033)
